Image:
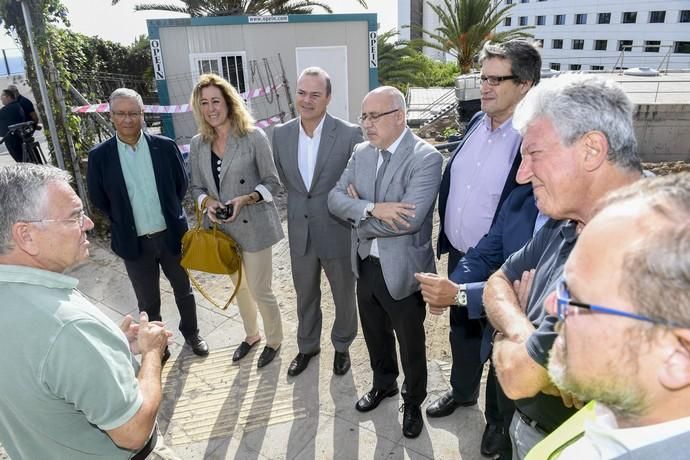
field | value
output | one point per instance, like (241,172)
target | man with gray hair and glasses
(70,386)
(138,180)
(623,306)
(578,145)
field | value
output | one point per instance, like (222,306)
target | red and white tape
(181,108)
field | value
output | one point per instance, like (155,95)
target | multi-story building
(591,34)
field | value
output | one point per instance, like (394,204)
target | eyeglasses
(564,301)
(80,219)
(494,80)
(124,115)
(374,117)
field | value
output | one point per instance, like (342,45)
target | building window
(578,44)
(575,67)
(596,67)
(625,45)
(559,19)
(600,45)
(604,18)
(228,65)
(555,66)
(507,21)
(557,44)
(681,47)
(523,20)
(657,16)
(509,2)
(581,18)
(684,16)
(651,46)
(540,20)
(629,17)
(524,1)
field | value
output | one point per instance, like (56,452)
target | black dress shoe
(165,357)
(412,420)
(373,398)
(341,362)
(242,350)
(267,356)
(301,362)
(492,440)
(198,345)
(446,405)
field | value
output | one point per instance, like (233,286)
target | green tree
(402,66)
(238,7)
(465,25)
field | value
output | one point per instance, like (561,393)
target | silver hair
(395,94)
(23,189)
(126,93)
(577,104)
(318,72)
(657,268)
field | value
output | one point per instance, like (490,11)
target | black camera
(24,130)
(224,213)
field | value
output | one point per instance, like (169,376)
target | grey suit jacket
(413,176)
(309,220)
(247,163)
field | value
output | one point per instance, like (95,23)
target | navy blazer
(443,245)
(108,192)
(512,229)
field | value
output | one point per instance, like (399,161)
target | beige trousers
(255,290)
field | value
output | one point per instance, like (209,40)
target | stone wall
(663,132)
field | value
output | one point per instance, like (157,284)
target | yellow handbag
(210,251)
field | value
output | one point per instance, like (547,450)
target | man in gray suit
(310,153)
(387,193)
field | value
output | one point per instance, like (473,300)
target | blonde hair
(241,121)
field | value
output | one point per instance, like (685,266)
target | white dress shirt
(307,152)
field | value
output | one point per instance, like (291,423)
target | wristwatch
(370,209)
(461,296)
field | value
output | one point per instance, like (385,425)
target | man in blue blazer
(517,220)
(138,180)
(476,181)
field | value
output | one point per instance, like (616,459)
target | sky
(120,23)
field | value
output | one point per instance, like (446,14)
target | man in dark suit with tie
(310,153)
(138,180)
(387,192)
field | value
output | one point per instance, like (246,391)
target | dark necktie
(386,155)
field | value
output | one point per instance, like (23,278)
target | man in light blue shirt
(138,180)
(70,386)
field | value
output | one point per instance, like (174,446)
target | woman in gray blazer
(233,171)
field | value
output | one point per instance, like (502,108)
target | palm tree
(465,25)
(395,67)
(196,8)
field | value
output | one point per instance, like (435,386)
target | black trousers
(383,319)
(144,273)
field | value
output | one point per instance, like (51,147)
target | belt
(149,236)
(148,448)
(533,423)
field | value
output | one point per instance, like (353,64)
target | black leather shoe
(373,398)
(341,362)
(198,345)
(267,356)
(412,420)
(301,362)
(492,440)
(165,357)
(445,405)
(242,350)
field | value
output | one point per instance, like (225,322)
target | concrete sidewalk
(214,409)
